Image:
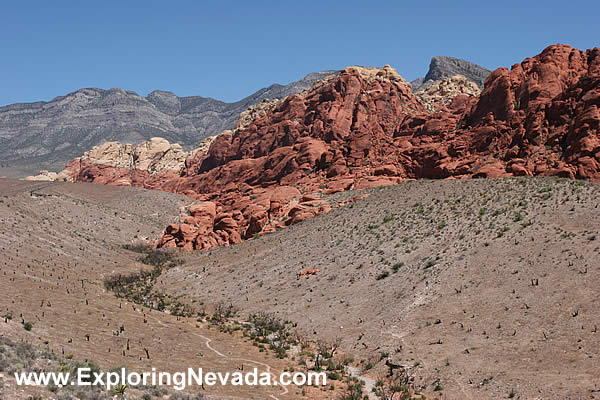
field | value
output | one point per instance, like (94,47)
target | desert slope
(59,242)
(485,287)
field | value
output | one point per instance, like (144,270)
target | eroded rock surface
(47,134)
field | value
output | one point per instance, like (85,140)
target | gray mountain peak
(442,67)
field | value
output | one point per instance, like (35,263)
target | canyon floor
(479,288)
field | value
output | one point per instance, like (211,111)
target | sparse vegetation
(138,287)
(435,259)
(382,275)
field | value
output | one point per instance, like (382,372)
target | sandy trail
(207,342)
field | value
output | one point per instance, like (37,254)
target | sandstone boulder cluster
(365,127)
(44,175)
(210,224)
(120,164)
(444,91)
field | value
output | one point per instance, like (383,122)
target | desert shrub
(334,376)
(382,275)
(159,258)
(137,247)
(269,329)
(266,324)
(396,267)
(138,287)
(352,392)
(224,311)
(397,385)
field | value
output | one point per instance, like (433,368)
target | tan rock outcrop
(152,156)
(125,162)
(44,175)
(386,73)
(443,92)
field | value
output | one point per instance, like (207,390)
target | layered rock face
(366,128)
(337,130)
(542,116)
(259,189)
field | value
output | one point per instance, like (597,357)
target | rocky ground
(486,289)
(477,288)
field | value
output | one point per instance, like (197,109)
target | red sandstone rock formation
(364,128)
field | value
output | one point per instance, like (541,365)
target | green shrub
(383,275)
(396,267)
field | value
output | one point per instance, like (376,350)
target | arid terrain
(484,287)
(439,243)
(58,243)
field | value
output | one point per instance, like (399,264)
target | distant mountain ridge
(47,135)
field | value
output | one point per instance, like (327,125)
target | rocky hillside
(59,246)
(365,128)
(442,67)
(155,156)
(47,135)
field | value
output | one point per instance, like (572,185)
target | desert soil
(483,288)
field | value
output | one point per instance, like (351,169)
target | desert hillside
(478,284)
(435,277)
(59,244)
(418,218)
(365,128)
(484,287)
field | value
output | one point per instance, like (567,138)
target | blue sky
(229,49)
